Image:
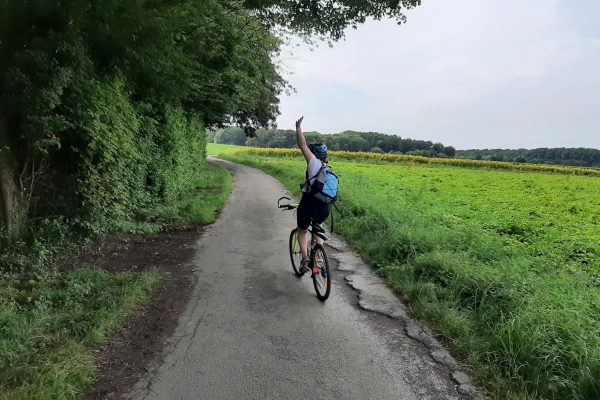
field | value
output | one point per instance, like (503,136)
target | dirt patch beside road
(140,340)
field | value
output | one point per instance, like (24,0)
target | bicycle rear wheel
(322,277)
(295,253)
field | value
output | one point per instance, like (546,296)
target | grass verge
(51,320)
(201,205)
(518,305)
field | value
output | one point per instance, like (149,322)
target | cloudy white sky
(468,73)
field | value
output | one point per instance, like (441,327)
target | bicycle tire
(295,253)
(321,280)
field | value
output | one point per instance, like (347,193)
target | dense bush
(111,173)
(124,168)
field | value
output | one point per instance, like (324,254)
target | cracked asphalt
(252,330)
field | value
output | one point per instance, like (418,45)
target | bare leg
(319,240)
(303,242)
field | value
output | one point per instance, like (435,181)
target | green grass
(200,205)
(50,321)
(506,264)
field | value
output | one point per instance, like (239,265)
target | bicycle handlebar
(285,206)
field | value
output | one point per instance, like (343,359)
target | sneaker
(304,266)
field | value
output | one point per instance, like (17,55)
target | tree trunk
(11,210)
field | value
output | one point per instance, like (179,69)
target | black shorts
(311,208)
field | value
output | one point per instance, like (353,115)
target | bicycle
(318,261)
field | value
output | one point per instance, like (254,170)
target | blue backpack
(325,186)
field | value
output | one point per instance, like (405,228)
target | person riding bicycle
(310,208)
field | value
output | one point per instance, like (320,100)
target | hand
(299,122)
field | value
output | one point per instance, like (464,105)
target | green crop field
(504,263)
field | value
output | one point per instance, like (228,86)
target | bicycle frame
(314,228)
(321,275)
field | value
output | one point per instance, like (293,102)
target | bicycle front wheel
(321,273)
(295,252)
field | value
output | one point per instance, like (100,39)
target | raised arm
(302,141)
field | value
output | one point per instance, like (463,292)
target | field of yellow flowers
(395,158)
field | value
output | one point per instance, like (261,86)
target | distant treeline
(582,157)
(382,143)
(348,140)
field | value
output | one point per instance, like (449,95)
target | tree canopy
(327,18)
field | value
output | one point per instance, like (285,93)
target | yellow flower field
(386,157)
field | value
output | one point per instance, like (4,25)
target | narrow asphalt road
(252,330)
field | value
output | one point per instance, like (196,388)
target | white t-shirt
(313,167)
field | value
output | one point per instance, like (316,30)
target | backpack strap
(338,210)
(307,182)
(306,178)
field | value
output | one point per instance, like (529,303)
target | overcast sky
(468,73)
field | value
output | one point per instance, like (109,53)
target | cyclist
(310,207)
